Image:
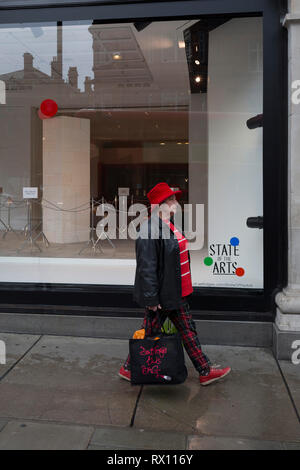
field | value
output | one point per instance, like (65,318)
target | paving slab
(3,423)
(15,345)
(71,380)
(227,443)
(291,373)
(132,438)
(250,403)
(44,436)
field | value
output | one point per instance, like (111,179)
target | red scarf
(186,278)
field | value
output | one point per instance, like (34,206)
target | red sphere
(49,108)
(42,116)
(240,272)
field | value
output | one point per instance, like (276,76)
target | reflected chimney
(55,73)
(28,64)
(88,85)
(57,62)
(73,77)
(59,55)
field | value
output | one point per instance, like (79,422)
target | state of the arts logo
(223,258)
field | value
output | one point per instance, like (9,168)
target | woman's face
(170,205)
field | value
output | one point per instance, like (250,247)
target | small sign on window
(30,193)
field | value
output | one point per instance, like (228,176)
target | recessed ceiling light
(181,44)
(197,62)
(117,56)
(198,79)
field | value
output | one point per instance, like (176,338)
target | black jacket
(158,270)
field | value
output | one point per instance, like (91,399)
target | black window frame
(208,302)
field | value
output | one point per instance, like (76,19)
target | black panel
(129,11)
(57,3)
(196,40)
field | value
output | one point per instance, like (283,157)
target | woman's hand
(154,309)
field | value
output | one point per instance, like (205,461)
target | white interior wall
(235,153)
(66,178)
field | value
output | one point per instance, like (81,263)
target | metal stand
(5,226)
(107,238)
(93,243)
(104,233)
(30,239)
(41,233)
(121,229)
(8,227)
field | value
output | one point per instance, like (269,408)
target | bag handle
(165,327)
(148,317)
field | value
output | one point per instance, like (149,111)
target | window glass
(94,115)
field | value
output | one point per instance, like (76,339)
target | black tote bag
(157,361)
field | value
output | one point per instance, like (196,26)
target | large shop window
(137,104)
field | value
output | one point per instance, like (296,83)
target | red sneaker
(125,374)
(214,375)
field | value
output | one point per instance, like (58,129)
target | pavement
(63,392)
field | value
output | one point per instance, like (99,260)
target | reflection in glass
(137,104)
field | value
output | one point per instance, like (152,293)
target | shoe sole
(125,378)
(215,380)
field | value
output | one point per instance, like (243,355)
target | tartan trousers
(185,325)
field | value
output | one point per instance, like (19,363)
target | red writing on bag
(153,360)
(151,370)
(160,351)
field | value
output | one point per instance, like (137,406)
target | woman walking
(163,281)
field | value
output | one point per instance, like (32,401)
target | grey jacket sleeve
(147,267)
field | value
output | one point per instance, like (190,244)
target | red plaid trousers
(185,325)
